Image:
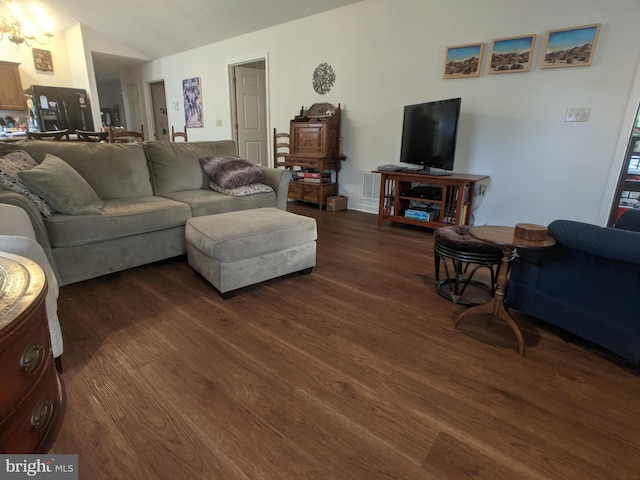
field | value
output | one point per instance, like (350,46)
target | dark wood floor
(352,372)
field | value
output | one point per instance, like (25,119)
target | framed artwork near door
(192,94)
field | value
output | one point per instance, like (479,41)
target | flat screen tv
(429,133)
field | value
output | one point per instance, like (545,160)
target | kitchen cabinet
(11,96)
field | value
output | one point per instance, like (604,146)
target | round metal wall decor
(323,78)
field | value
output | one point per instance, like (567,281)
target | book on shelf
(313,177)
(426,216)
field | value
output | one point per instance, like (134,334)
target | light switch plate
(578,114)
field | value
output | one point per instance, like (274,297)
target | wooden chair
(49,135)
(126,136)
(175,134)
(280,141)
(85,136)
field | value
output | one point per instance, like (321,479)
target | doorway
(627,194)
(159,109)
(249,110)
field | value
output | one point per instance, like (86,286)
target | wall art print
(192,94)
(571,47)
(463,61)
(512,55)
(42,60)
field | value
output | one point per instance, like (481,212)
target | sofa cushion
(175,167)
(10,165)
(121,217)
(230,172)
(62,187)
(208,202)
(114,170)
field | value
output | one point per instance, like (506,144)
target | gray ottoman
(236,249)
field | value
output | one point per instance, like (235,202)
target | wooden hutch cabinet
(314,154)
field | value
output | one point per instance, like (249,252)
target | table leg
(496,305)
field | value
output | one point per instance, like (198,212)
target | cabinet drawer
(24,355)
(311,193)
(305,162)
(29,423)
(295,190)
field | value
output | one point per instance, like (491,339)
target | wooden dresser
(314,151)
(31,395)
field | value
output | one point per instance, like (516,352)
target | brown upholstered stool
(455,247)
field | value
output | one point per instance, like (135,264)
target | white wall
(387,54)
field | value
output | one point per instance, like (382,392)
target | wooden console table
(32,403)
(451,206)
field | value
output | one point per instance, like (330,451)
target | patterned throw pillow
(243,190)
(231,172)
(10,165)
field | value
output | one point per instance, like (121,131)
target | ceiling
(158,28)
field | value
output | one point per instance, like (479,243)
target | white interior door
(251,94)
(159,105)
(133,107)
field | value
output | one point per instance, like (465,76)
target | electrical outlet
(482,190)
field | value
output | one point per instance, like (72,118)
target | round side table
(506,239)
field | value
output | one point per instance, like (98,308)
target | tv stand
(452,206)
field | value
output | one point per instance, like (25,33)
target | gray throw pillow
(62,187)
(232,172)
(242,191)
(10,165)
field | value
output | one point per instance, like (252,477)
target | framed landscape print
(512,55)
(571,47)
(42,60)
(463,61)
(192,102)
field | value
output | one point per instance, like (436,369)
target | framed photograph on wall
(42,60)
(571,47)
(512,55)
(463,61)
(192,102)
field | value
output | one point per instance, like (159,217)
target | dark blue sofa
(587,284)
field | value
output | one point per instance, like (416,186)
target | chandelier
(20,29)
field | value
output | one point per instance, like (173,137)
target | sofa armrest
(35,216)
(278,179)
(611,243)
(630,220)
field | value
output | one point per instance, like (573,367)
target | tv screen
(429,134)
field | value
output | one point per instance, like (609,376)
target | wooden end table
(507,240)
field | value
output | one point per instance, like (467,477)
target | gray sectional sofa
(149,192)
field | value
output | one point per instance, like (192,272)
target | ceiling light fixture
(19,29)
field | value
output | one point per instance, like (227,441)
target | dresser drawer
(29,424)
(24,355)
(311,193)
(295,190)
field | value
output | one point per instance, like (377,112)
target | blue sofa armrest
(630,220)
(611,243)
